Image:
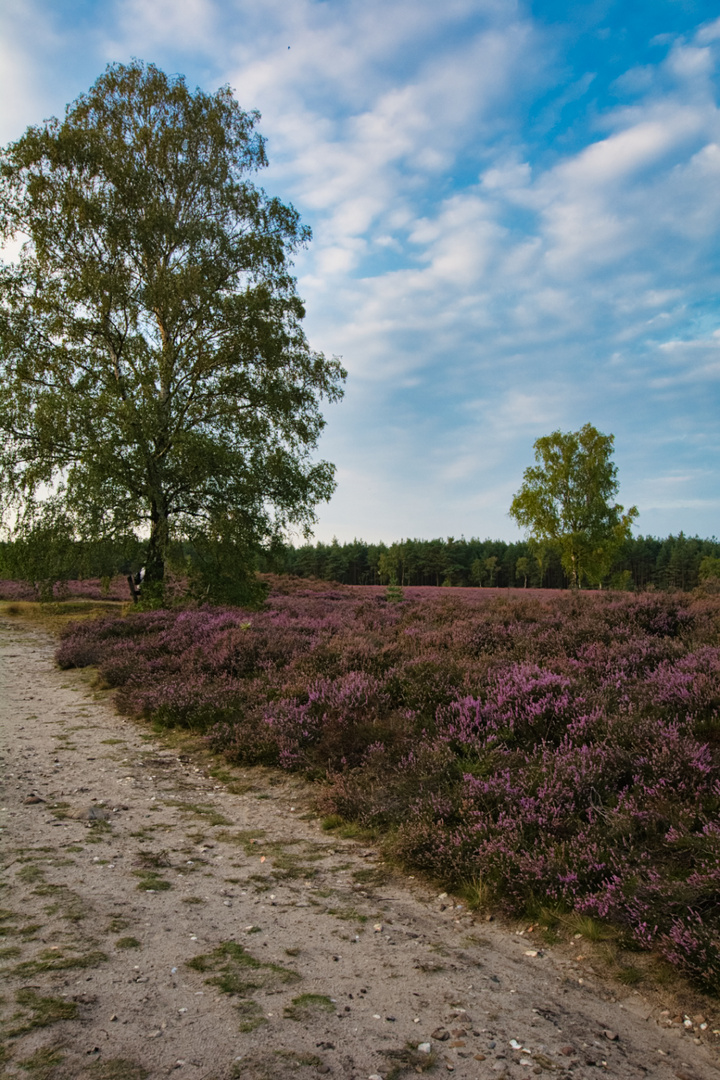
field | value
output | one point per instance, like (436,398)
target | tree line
(675,562)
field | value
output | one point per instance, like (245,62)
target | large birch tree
(154,372)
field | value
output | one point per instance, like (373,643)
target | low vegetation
(547,753)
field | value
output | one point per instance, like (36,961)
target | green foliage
(710,568)
(565,501)
(220,566)
(154,373)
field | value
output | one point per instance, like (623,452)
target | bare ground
(158,921)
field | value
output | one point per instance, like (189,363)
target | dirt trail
(156,922)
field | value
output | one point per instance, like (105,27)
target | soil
(159,920)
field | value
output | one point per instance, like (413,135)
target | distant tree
(491,566)
(566,500)
(154,373)
(709,569)
(522,569)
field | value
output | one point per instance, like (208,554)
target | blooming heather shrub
(563,748)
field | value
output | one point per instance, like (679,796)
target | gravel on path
(158,922)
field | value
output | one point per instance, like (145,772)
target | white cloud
(144,27)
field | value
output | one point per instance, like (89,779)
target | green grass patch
(208,813)
(118,923)
(251,1015)
(151,881)
(236,971)
(630,976)
(128,943)
(305,1006)
(349,914)
(248,839)
(43,1063)
(40,1011)
(56,960)
(30,874)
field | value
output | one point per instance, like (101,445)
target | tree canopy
(565,501)
(154,373)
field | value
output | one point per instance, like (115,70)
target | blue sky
(516,211)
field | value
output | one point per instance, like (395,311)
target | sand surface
(157,921)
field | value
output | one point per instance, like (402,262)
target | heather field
(544,752)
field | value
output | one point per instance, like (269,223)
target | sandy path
(137,862)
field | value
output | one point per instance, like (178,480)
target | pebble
(611,1035)
(425,1048)
(441,1034)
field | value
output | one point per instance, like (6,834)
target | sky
(515,210)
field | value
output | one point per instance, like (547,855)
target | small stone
(611,1035)
(456,1042)
(113,1017)
(377,928)
(155,1034)
(568,1051)
(375,1076)
(698,1019)
(33,799)
(441,1034)
(459,1033)
(479,1057)
(425,1048)
(687,1023)
(390,1019)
